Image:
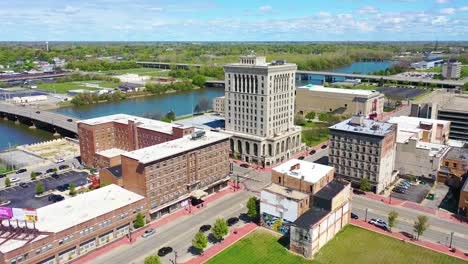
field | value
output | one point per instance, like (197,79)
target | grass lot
(314,133)
(353,245)
(63,88)
(140,71)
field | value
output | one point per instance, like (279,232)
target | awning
(198,194)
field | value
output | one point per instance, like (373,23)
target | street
(178,234)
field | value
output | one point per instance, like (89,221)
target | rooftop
(458,103)
(70,212)
(330,190)
(368,126)
(460,154)
(312,172)
(311,217)
(145,123)
(433,148)
(319,88)
(286,192)
(116,171)
(409,126)
(112,152)
(173,147)
(203,121)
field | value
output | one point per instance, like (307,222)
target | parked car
(38,173)
(354,216)
(164,251)
(402,186)
(49,170)
(312,152)
(323,146)
(244,165)
(23,185)
(60,188)
(15,179)
(66,186)
(55,198)
(379,223)
(63,167)
(232,221)
(38,112)
(398,190)
(301,158)
(59,160)
(148,232)
(205,228)
(2,175)
(55,175)
(70,120)
(21,171)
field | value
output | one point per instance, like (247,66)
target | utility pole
(451,239)
(175,257)
(367,209)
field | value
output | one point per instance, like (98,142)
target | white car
(15,179)
(379,223)
(59,160)
(148,232)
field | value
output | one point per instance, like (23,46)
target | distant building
(423,129)
(364,149)
(451,69)
(343,101)
(218,105)
(454,167)
(29,99)
(130,87)
(428,64)
(260,110)
(424,110)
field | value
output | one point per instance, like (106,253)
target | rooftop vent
(357,120)
(198,134)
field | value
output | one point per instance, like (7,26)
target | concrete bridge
(329,77)
(53,122)
(214,84)
(166,65)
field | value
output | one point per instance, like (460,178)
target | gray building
(451,69)
(456,111)
(364,149)
(259,110)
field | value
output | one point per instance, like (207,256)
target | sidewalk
(157,223)
(228,241)
(398,235)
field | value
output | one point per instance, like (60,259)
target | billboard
(6,213)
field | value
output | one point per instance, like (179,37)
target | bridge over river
(54,122)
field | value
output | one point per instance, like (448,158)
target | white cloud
(463,9)
(440,20)
(69,10)
(323,14)
(265,8)
(367,10)
(448,10)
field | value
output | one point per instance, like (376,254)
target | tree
(33,176)
(152,260)
(203,105)
(139,221)
(199,80)
(299,120)
(200,241)
(310,115)
(420,225)
(39,188)
(252,207)
(324,116)
(170,115)
(7,182)
(72,189)
(364,185)
(392,219)
(220,229)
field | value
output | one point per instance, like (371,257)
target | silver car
(148,232)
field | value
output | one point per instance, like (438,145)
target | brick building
(71,228)
(218,105)
(463,201)
(454,166)
(104,139)
(170,174)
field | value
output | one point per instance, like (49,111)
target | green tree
(199,80)
(310,115)
(220,229)
(420,225)
(364,185)
(170,115)
(39,188)
(392,219)
(7,182)
(139,221)
(33,176)
(152,260)
(200,241)
(72,189)
(324,117)
(252,207)
(299,120)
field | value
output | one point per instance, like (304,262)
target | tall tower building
(259,110)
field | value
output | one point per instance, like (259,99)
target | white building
(218,105)
(451,69)
(260,110)
(283,202)
(429,64)
(423,129)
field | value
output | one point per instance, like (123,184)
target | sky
(233,20)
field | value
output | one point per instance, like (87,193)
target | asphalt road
(177,234)
(438,231)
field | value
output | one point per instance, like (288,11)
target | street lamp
(175,257)
(451,239)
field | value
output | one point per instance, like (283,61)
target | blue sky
(233,20)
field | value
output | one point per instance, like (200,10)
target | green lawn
(315,133)
(352,245)
(140,71)
(63,88)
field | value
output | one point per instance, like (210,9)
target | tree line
(101,65)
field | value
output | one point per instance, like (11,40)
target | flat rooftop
(460,154)
(110,153)
(286,192)
(414,122)
(173,147)
(210,121)
(330,190)
(145,123)
(312,172)
(458,103)
(311,217)
(433,148)
(368,127)
(357,92)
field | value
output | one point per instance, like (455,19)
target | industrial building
(342,101)
(427,64)
(260,110)
(71,228)
(364,149)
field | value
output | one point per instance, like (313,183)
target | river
(180,103)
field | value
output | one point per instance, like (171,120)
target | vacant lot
(63,88)
(352,245)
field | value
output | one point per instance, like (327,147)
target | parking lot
(415,193)
(24,197)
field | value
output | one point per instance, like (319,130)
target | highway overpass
(166,65)
(55,122)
